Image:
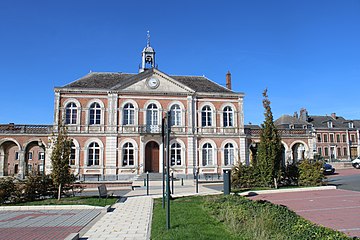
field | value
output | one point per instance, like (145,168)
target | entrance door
(152,157)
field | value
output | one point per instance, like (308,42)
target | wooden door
(152,157)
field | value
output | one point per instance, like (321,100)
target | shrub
(244,176)
(310,173)
(7,188)
(290,174)
(37,186)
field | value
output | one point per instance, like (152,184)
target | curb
(48,207)
(72,236)
(305,189)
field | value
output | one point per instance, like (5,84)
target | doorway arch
(152,157)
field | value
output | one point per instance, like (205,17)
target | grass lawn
(92,201)
(188,221)
(233,217)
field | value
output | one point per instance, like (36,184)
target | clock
(153,82)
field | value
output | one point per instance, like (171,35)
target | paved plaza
(44,224)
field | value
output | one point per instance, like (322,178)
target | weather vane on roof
(148,38)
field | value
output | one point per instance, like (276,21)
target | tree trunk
(59,192)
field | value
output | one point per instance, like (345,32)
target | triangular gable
(153,81)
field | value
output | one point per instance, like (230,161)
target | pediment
(155,81)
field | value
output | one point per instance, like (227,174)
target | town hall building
(115,122)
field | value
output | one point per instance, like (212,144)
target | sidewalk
(132,218)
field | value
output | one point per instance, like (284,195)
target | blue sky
(307,53)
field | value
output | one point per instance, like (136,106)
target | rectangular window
(344,138)
(332,138)
(72,156)
(16,155)
(326,150)
(30,155)
(345,152)
(338,138)
(325,138)
(338,152)
(319,138)
(41,156)
(352,136)
(319,151)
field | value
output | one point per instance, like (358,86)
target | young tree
(268,160)
(60,159)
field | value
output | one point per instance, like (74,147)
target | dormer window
(351,125)
(330,124)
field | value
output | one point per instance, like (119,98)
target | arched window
(206,116)
(93,154)
(229,154)
(71,113)
(72,154)
(152,118)
(175,154)
(207,154)
(128,154)
(129,114)
(228,117)
(95,114)
(175,115)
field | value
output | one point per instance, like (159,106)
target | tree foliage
(60,159)
(268,159)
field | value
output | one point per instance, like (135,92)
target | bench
(103,192)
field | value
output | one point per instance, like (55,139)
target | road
(347,179)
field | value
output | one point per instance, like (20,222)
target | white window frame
(176,112)
(207,115)
(128,114)
(96,150)
(175,154)
(127,152)
(228,116)
(95,114)
(71,113)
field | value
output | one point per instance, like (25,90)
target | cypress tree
(268,160)
(60,159)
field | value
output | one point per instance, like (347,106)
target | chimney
(296,115)
(303,114)
(333,115)
(228,80)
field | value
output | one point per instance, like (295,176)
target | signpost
(166,130)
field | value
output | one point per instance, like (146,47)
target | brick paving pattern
(43,224)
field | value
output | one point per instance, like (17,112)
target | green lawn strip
(188,220)
(92,201)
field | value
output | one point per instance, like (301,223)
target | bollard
(227,181)
(172,183)
(147,183)
(182,181)
(144,182)
(197,182)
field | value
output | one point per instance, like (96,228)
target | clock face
(153,82)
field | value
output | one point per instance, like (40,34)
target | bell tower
(148,56)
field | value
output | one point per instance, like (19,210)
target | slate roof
(97,80)
(321,121)
(115,81)
(287,119)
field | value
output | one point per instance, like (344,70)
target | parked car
(328,168)
(356,162)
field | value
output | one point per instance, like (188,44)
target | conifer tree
(60,159)
(268,160)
